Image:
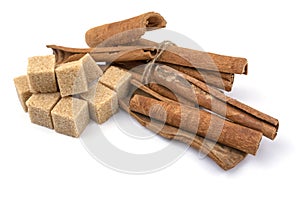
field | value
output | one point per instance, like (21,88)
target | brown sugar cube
(103,102)
(70,116)
(91,69)
(41,74)
(23,91)
(74,77)
(71,78)
(40,106)
(117,79)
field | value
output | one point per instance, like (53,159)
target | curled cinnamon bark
(205,124)
(124,31)
(225,157)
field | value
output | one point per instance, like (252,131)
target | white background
(36,163)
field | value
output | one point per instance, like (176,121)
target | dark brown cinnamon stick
(204,123)
(103,54)
(222,104)
(124,31)
(225,157)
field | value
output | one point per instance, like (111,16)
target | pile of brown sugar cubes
(64,97)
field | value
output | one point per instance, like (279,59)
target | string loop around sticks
(151,65)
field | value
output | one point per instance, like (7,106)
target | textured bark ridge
(125,31)
(225,157)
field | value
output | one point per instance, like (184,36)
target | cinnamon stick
(222,104)
(209,61)
(225,157)
(124,31)
(173,55)
(203,122)
(219,80)
(198,59)
(103,54)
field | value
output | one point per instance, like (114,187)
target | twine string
(151,65)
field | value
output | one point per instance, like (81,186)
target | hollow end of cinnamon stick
(246,69)
(270,130)
(154,20)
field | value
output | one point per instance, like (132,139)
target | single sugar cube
(71,78)
(40,106)
(117,79)
(41,74)
(70,116)
(91,69)
(74,77)
(23,90)
(103,102)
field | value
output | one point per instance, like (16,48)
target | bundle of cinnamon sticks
(179,89)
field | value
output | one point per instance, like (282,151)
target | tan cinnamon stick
(205,124)
(174,55)
(124,31)
(225,157)
(222,104)
(219,80)
(196,73)
(198,59)
(203,60)
(103,54)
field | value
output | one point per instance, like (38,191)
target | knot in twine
(151,65)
